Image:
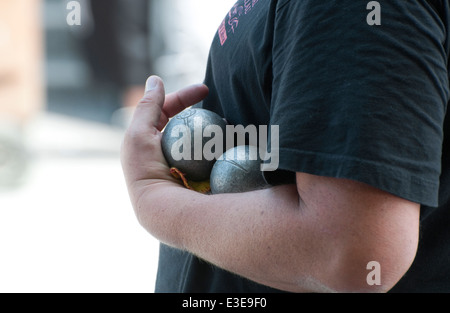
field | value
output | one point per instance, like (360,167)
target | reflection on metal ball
(184,140)
(238,170)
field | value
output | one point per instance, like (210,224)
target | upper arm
(358,224)
(365,105)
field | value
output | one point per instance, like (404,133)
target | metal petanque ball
(183,142)
(238,170)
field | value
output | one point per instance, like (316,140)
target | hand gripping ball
(238,170)
(184,139)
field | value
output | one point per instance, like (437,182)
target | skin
(317,235)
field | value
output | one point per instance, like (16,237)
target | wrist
(158,207)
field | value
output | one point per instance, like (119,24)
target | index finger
(178,101)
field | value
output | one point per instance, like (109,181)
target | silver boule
(195,166)
(238,170)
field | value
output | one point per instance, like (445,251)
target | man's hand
(142,159)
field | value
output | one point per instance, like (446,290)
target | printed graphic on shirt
(231,21)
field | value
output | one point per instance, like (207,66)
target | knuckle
(151,98)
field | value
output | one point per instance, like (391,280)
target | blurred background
(70,74)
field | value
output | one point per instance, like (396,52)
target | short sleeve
(359,101)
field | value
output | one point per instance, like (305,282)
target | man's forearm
(257,235)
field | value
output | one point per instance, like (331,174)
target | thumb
(148,110)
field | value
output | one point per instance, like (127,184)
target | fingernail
(151,84)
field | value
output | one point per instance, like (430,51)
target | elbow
(354,271)
(376,278)
(369,272)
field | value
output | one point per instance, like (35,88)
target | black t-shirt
(352,100)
